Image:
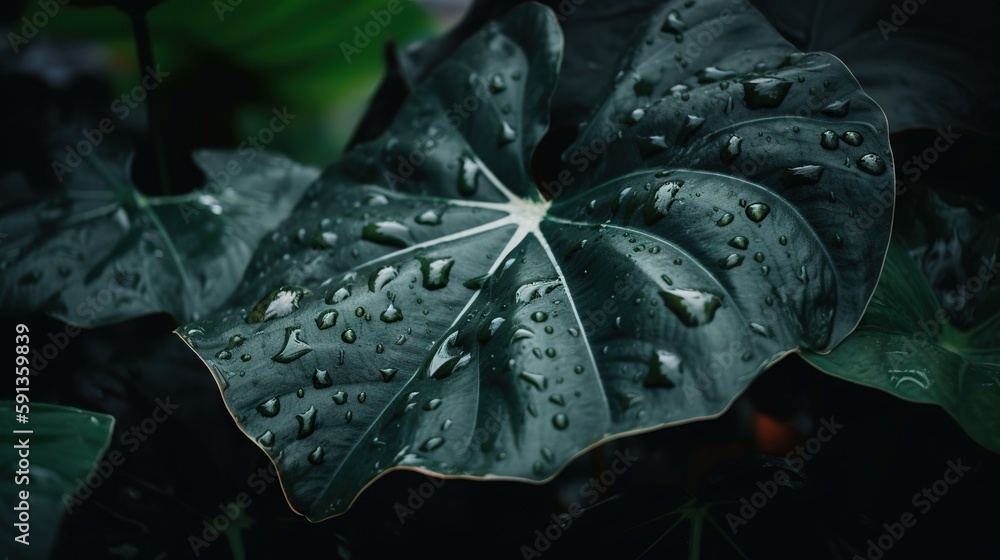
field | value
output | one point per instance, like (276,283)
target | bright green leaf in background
(252,56)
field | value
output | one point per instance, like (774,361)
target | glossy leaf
(444,316)
(914,66)
(65,446)
(98,251)
(932,331)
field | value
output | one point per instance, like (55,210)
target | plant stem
(144,47)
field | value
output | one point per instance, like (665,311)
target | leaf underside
(425,307)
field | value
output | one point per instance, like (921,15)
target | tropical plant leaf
(931,333)
(64,448)
(98,251)
(442,315)
(920,74)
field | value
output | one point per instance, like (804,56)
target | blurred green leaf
(231,62)
(63,449)
(931,333)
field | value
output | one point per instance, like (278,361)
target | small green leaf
(931,333)
(64,447)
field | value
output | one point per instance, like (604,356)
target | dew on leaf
(294,347)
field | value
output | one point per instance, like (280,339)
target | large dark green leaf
(64,448)
(929,71)
(932,331)
(444,316)
(99,251)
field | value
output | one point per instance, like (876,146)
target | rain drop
(765,93)
(432,444)
(307,422)
(269,408)
(326,319)
(828,139)
(872,164)
(279,303)
(316,456)
(802,175)
(732,261)
(739,242)
(391,314)
(757,211)
(731,149)
(435,272)
(321,379)
(692,307)
(853,137)
(294,347)
(836,109)
(378,280)
(691,125)
(390,233)
(266,439)
(428,218)
(506,135)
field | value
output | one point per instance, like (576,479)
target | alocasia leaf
(427,307)
(927,72)
(63,449)
(98,251)
(932,331)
